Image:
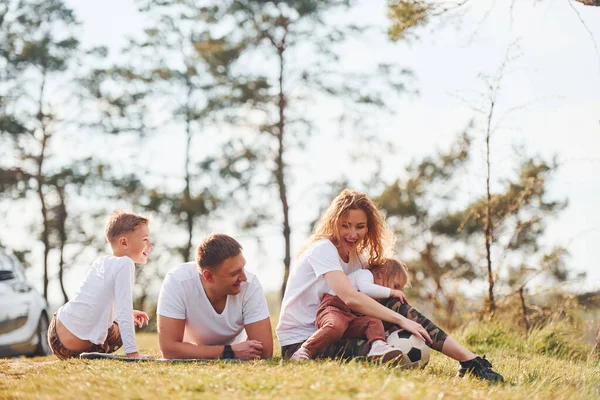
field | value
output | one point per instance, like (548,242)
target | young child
(101,317)
(335,320)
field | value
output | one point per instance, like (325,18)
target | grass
(559,370)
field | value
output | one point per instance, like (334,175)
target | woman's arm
(361,303)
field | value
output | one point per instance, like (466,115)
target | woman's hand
(139,317)
(415,328)
(399,294)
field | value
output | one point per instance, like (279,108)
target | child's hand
(139,356)
(139,317)
(399,294)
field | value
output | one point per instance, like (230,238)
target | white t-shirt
(362,280)
(305,289)
(106,296)
(182,296)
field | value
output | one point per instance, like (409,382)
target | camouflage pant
(352,348)
(112,343)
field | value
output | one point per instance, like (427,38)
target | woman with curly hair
(351,235)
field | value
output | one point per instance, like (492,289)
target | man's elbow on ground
(168,349)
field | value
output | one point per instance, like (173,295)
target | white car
(23,312)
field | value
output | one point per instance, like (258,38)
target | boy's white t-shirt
(182,296)
(106,296)
(306,287)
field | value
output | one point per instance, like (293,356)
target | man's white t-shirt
(182,296)
(306,287)
(106,295)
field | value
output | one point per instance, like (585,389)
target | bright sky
(557,76)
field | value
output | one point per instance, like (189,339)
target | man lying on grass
(213,308)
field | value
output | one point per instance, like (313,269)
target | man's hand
(248,350)
(399,294)
(139,317)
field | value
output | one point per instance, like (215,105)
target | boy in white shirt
(101,317)
(335,320)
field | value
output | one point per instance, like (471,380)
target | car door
(15,301)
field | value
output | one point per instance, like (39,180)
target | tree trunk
(491,306)
(524,308)
(597,347)
(187,198)
(62,233)
(280,167)
(45,236)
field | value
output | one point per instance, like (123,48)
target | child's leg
(113,340)
(364,326)
(58,348)
(332,324)
(332,319)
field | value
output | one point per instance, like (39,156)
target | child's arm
(124,306)
(364,284)
(399,294)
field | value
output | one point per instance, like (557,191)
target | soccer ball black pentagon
(415,353)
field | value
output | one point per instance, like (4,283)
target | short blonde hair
(378,240)
(121,222)
(394,273)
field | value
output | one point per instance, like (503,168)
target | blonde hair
(378,240)
(394,273)
(121,222)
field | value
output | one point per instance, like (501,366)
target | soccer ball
(415,353)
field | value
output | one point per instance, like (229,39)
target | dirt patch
(14,369)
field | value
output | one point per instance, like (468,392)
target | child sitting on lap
(335,320)
(101,317)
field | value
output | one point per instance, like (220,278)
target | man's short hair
(215,248)
(121,222)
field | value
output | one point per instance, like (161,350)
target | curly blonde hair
(378,241)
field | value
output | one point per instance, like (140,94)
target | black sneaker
(480,368)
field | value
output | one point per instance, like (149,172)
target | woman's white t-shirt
(305,289)
(106,295)
(182,296)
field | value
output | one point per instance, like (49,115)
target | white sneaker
(383,352)
(302,354)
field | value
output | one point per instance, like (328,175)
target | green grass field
(547,364)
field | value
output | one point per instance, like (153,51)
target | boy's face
(138,244)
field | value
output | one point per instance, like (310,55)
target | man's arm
(170,340)
(262,331)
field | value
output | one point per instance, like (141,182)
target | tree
(406,16)
(36,47)
(277,32)
(181,86)
(448,235)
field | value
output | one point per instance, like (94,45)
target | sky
(550,99)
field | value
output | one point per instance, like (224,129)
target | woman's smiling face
(352,229)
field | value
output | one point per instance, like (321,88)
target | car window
(18,268)
(6,263)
